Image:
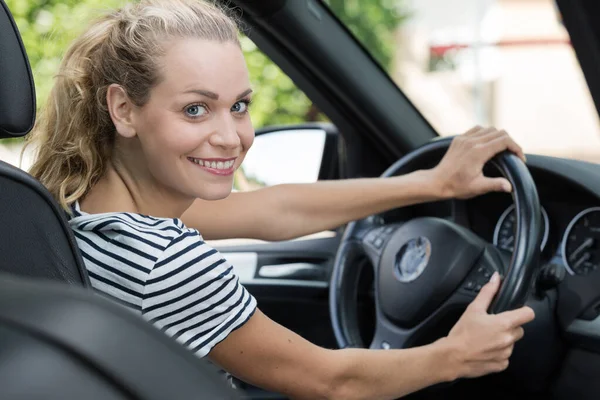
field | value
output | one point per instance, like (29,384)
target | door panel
(290,281)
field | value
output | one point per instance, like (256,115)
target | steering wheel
(426,268)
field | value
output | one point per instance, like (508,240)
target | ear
(120,109)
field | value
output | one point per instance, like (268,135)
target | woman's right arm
(268,355)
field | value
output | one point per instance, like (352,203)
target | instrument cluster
(579,246)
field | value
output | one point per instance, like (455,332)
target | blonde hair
(74,135)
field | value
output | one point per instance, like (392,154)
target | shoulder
(120,250)
(171,227)
(180,283)
(138,229)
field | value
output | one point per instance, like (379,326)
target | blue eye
(195,110)
(241,107)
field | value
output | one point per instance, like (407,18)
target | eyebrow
(214,96)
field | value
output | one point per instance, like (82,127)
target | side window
(284,156)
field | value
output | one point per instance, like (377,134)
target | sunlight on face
(195,130)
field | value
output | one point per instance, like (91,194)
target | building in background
(506,63)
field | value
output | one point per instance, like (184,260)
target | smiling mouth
(216,166)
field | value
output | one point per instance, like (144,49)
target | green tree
(279,101)
(48,26)
(374,23)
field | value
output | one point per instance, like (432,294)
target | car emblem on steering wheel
(412,259)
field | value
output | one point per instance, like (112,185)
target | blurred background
(506,63)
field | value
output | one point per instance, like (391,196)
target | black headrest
(17,92)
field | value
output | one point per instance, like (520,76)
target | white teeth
(214,164)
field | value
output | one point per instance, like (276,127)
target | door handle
(304,271)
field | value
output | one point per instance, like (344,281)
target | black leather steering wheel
(427,267)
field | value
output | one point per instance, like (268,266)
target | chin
(214,193)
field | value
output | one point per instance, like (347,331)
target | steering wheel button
(385,345)
(470,285)
(378,242)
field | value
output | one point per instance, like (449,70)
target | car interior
(542,238)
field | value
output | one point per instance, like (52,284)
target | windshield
(506,63)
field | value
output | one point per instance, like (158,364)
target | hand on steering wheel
(460,172)
(482,342)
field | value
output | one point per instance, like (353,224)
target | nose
(226,134)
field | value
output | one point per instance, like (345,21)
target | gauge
(581,242)
(504,234)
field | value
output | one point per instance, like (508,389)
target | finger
(506,341)
(482,132)
(499,342)
(506,352)
(493,366)
(485,368)
(472,131)
(518,317)
(486,294)
(494,134)
(499,144)
(518,333)
(499,366)
(496,185)
(515,148)
(490,133)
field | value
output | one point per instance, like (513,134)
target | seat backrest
(35,238)
(64,342)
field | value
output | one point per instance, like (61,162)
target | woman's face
(195,130)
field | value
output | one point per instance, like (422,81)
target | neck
(118,191)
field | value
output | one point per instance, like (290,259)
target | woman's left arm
(288,211)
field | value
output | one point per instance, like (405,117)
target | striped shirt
(166,272)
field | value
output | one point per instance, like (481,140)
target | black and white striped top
(166,272)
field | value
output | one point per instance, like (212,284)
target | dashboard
(570,217)
(569,193)
(565,336)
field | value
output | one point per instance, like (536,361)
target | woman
(149,113)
